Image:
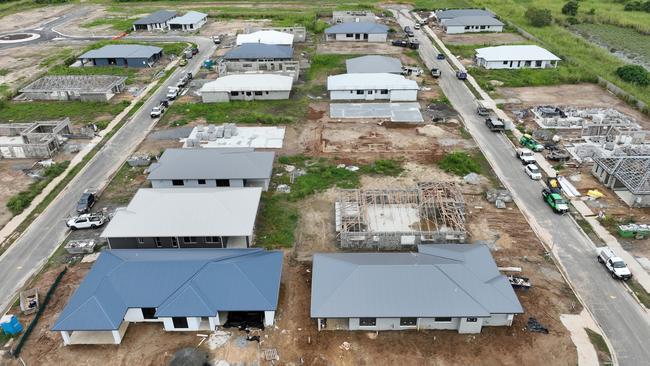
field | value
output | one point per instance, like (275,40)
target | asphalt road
(27,254)
(624,322)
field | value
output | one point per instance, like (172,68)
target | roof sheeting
(191,17)
(455,13)
(445,280)
(267,37)
(515,53)
(160,16)
(357,27)
(78,83)
(473,20)
(166,212)
(212,164)
(256,51)
(177,282)
(249,82)
(122,51)
(373,64)
(374,81)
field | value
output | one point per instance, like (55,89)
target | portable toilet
(10,324)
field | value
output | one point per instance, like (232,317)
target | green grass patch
(604,356)
(327,64)
(121,188)
(460,163)
(632,43)
(563,74)
(442,4)
(78,112)
(120,24)
(267,112)
(382,167)
(640,292)
(4,72)
(20,201)
(277,222)
(64,55)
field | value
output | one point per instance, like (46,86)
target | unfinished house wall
(36,140)
(353,16)
(203,183)
(287,68)
(430,213)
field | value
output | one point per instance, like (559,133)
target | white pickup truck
(526,156)
(615,265)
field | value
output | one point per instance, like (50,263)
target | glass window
(442,320)
(178,182)
(408,322)
(384,91)
(140,240)
(359,92)
(174,242)
(258,93)
(189,240)
(367,322)
(234,94)
(158,242)
(201,181)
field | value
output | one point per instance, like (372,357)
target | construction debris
(534,326)
(397,218)
(81,246)
(345,346)
(637,231)
(519,282)
(629,168)
(271,354)
(139,160)
(498,194)
(218,339)
(29,301)
(472,178)
(40,139)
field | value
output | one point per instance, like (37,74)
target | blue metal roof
(357,27)
(177,282)
(122,51)
(256,51)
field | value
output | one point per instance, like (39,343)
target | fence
(623,95)
(41,308)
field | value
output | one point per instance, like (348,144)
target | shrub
(19,202)
(539,17)
(634,74)
(459,163)
(571,8)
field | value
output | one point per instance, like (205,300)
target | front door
(180,322)
(357,36)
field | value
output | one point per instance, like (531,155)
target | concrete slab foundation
(396,112)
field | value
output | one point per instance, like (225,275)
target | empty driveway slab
(396,112)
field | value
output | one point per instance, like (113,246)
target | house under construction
(627,172)
(35,140)
(429,213)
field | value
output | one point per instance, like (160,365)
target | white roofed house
(247,87)
(266,37)
(204,168)
(515,57)
(191,21)
(372,86)
(472,24)
(185,218)
(357,32)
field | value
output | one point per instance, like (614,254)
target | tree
(539,17)
(571,8)
(634,74)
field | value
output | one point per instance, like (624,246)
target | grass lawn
(269,112)
(564,74)
(627,40)
(277,222)
(20,201)
(604,356)
(640,292)
(327,64)
(79,112)
(118,23)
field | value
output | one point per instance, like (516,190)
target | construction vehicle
(461,74)
(483,108)
(555,200)
(615,265)
(558,155)
(526,156)
(495,124)
(528,141)
(411,70)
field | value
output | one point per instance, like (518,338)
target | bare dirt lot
(12,181)
(32,18)
(580,95)
(230,26)
(358,48)
(479,38)
(94,12)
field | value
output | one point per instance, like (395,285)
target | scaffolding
(628,167)
(429,213)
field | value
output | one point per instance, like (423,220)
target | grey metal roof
(357,27)
(455,13)
(255,51)
(445,280)
(122,51)
(191,17)
(167,212)
(159,16)
(79,83)
(473,20)
(373,64)
(202,163)
(177,282)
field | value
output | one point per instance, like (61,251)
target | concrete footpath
(576,324)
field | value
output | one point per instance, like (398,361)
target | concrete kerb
(539,232)
(9,228)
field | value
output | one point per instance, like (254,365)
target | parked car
(216,39)
(435,73)
(86,202)
(188,53)
(529,142)
(533,172)
(172,93)
(190,76)
(526,156)
(408,31)
(416,26)
(495,124)
(441,56)
(164,103)
(461,74)
(157,111)
(411,70)
(555,201)
(615,265)
(414,44)
(195,50)
(482,108)
(86,221)
(182,82)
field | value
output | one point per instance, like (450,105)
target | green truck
(529,142)
(555,200)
